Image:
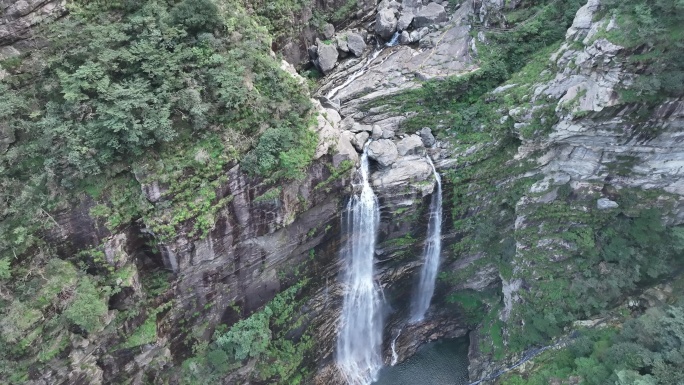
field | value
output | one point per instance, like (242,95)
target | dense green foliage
(265,338)
(653,30)
(119,95)
(122,83)
(648,350)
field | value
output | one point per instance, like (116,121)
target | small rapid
(433,247)
(359,342)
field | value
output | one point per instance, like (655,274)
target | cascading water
(360,338)
(433,247)
(394,40)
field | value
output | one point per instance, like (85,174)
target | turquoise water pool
(437,363)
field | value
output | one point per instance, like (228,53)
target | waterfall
(360,337)
(395,356)
(433,247)
(394,40)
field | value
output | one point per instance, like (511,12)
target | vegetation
(118,97)
(646,350)
(269,338)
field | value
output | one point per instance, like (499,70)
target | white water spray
(433,247)
(360,338)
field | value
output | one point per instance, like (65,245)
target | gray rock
(328,31)
(410,145)
(404,21)
(356,44)
(377,132)
(327,57)
(606,204)
(411,5)
(385,23)
(387,134)
(384,151)
(403,172)
(356,128)
(432,14)
(427,137)
(419,34)
(360,139)
(342,43)
(405,38)
(345,149)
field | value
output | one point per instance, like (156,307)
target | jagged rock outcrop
(18,17)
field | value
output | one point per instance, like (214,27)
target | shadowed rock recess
(212,251)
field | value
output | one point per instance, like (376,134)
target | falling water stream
(433,247)
(360,338)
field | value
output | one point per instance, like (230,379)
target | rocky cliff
(528,192)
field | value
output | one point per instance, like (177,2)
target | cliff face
(577,147)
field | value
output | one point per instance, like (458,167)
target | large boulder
(418,34)
(432,14)
(327,57)
(405,171)
(404,21)
(384,151)
(356,44)
(345,150)
(328,31)
(410,145)
(405,38)
(385,23)
(427,137)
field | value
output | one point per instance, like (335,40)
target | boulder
(404,21)
(405,171)
(376,133)
(345,150)
(411,5)
(360,139)
(328,31)
(387,134)
(427,137)
(432,14)
(418,34)
(394,5)
(327,57)
(410,145)
(384,151)
(356,128)
(606,204)
(342,43)
(356,44)
(385,23)
(405,38)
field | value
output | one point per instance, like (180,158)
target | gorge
(341,192)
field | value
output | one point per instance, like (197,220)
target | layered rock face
(262,241)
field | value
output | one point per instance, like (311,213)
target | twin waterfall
(433,247)
(359,344)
